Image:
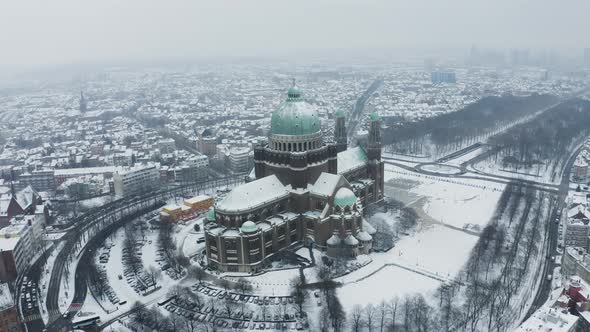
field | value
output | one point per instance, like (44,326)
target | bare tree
(370,317)
(382,315)
(356,318)
(298,292)
(154,274)
(197,272)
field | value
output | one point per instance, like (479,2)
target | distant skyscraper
(438,77)
(83,105)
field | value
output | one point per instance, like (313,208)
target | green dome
(374,116)
(339,113)
(344,197)
(248,227)
(294,116)
(211,214)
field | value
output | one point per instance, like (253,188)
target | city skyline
(66,31)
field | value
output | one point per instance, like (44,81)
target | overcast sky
(66,31)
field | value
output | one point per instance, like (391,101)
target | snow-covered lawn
(434,253)
(389,282)
(452,201)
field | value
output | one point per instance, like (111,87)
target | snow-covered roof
(351,159)
(580,162)
(549,319)
(254,194)
(364,236)
(368,227)
(197,199)
(5,297)
(334,240)
(86,170)
(351,240)
(8,244)
(325,185)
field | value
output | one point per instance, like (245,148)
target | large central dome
(294,116)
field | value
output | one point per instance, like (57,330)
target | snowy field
(455,202)
(437,250)
(423,260)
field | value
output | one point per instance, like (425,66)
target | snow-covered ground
(452,201)
(422,259)
(437,250)
(187,237)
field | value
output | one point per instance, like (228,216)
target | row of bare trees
(493,285)
(178,262)
(545,140)
(443,134)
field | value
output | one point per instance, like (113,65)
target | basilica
(306,189)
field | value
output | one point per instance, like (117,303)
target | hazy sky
(64,31)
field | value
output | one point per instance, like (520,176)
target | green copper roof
(374,116)
(211,214)
(294,116)
(344,197)
(339,113)
(248,227)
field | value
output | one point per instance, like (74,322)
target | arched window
(305,146)
(300,149)
(289,146)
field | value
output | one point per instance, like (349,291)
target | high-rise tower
(340,132)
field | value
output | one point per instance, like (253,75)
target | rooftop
(351,159)
(254,194)
(549,319)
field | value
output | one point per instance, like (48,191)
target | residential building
(576,261)
(577,227)
(239,159)
(136,180)
(9,317)
(166,145)
(15,251)
(43,180)
(548,319)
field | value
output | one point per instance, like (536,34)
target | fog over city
(64,31)
(306,165)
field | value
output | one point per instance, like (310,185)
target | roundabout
(439,169)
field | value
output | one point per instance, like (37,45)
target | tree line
(494,283)
(440,135)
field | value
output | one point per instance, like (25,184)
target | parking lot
(29,296)
(252,312)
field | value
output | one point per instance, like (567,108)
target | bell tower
(375,166)
(340,132)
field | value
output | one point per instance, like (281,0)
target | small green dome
(211,214)
(249,227)
(339,113)
(344,197)
(374,116)
(294,116)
